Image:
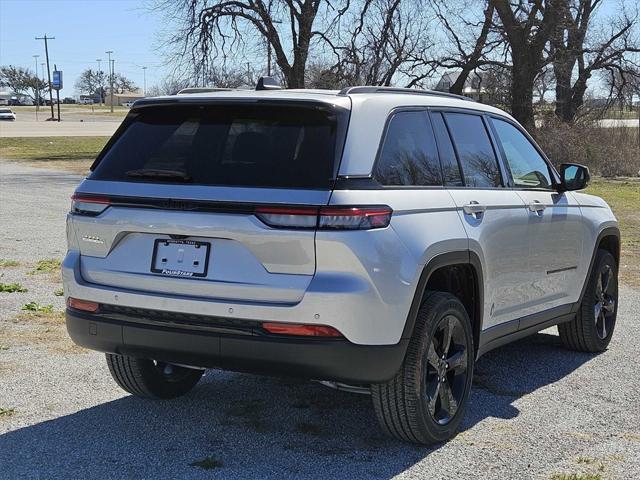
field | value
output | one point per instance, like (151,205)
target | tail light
(326,218)
(301,330)
(88,205)
(288,217)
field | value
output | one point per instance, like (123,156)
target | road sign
(56,83)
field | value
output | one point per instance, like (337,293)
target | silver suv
(372,238)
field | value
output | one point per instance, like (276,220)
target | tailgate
(175,194)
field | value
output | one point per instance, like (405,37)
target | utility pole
(109,52)
(100,92)
(113,72)
(144,82)
(46,51)
(37,87)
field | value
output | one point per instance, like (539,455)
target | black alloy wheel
(605,301)
(426,400)
(446,372)
(592,328)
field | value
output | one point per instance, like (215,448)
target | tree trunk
(523,78)
(562,69)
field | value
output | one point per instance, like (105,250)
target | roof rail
(412,91)
(202,90)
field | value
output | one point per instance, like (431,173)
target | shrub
(609,152)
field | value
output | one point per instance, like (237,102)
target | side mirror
(574,176)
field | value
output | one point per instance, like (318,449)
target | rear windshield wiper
(159,173)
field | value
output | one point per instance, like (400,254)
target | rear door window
(409,156)
(477,157)
(239,145)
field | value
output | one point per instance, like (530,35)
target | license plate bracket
(180,258)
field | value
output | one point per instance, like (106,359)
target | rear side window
(477,158)
(239,145)
(528,168)
(450,167)
(409,156)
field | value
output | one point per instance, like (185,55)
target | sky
(84,30)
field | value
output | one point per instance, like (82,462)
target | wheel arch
(447,263)
(608,239)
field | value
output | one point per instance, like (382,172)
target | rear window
(253,146)
(409,156)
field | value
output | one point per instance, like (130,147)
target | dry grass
(39,328)
(8,263)
(624,197)
(608,152)
(74,154)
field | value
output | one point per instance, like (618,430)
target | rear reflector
(326,218)
(88,205)
(84,305)
(301,330)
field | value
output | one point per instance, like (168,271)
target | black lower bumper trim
(320,359)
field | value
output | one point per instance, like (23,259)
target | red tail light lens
(84,305)
(301,330)
(88,205)
(288,217)
(326,218)
(354,218)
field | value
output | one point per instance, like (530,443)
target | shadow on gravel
(242,426)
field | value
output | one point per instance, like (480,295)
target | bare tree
(470,43)
(497,86)
(122,84)
(22,81)
(92,82)
(382,42)
(214,30)
(544,82)
(623,85)
(169,86)
(580,47)
(527,27)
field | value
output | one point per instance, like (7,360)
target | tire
(410,407)
(592,329)
(150,379)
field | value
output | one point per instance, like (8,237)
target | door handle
(537,207)
(474,209)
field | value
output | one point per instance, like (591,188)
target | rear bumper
(246,351)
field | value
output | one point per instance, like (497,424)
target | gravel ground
(536,409)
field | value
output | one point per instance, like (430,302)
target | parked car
(86,101)
(7,114)
(377,239)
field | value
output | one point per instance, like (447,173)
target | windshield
(232,145)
